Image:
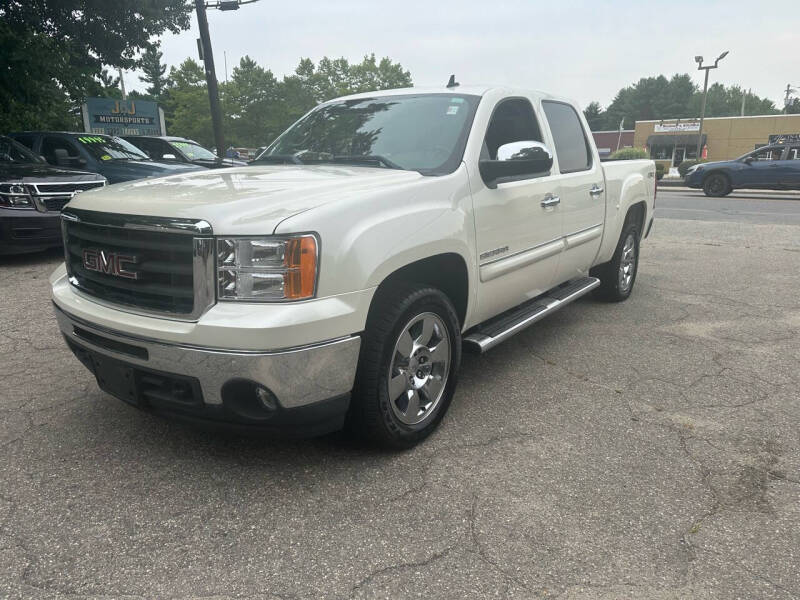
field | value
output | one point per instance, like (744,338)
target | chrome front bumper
(298,377)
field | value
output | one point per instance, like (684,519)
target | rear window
(572,148)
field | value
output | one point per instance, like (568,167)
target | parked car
(336,279)
(774,167)
(172,149)
(110,156)
(32,194)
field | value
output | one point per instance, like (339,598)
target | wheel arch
(446,271)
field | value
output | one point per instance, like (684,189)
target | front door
(583,199)
(765,168)
(518,231)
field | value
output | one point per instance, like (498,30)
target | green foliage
(677,97)
(257,106)
(660,170)
(154,73)
(793,108)
(684,167)
(628,154)
(594,116)
(52,53)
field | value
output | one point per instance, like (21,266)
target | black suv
(167,148)
(32,194)
(111,156)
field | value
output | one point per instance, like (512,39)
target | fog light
(267,398)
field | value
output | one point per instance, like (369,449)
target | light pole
(700,67)
(208,62)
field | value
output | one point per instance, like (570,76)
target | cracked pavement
(648,449)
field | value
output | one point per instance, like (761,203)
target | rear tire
(408,366)
(619,274)
(716,185)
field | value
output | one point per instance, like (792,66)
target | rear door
(581,186)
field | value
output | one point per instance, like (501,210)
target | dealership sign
(677,127)
(123,117)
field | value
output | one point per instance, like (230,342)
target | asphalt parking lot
(643,450)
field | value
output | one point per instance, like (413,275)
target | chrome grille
(168,270)
(52,197)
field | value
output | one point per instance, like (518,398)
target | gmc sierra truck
(334,281)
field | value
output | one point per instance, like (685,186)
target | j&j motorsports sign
(123,117)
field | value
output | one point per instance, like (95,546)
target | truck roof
(461,90)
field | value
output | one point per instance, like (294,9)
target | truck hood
(42,173)
(248,200)
(118,171)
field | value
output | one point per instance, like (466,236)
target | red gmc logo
(110,263)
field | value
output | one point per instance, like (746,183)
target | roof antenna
(452,82)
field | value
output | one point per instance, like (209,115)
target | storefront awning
(677,139)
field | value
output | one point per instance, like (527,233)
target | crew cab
(334,281)
(773,167)
(32,194)
(172,149)
(110,156)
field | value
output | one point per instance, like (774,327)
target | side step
(498,329)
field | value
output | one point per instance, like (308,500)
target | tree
(251,104)
(185,103)
(594,116)
(52,53)
(793,108)
(154,73)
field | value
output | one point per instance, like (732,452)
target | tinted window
(11,151)
(425,133)
(25,140)
(512,121)
(572,149)
(59,151)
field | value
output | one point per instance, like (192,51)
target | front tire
(716,185)
(619,274)
(408,367)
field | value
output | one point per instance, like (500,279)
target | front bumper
(694,179)
(311,384)
(28,230)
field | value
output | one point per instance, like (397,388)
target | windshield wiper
(366,158)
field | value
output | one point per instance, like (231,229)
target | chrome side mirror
(516,160)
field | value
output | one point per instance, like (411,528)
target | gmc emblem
(110,263)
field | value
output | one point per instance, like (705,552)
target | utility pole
(700,67)
(211,78)
(122,83)
(789,92)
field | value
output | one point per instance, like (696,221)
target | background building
(611,141)
(672,141)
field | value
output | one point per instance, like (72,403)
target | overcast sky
(584,49)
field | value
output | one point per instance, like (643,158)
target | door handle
(550,200)
(596,190)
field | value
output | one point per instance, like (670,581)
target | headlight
(269,269)
(15,195)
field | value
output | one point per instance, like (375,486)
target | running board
(498,329)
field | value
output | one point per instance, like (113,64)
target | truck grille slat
(160,261)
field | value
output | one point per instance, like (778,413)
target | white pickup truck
(334,281)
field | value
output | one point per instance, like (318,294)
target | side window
(146,146)
(572,148)
(768,154)
(794,153)
(25,140)
(513,121)
(60,152)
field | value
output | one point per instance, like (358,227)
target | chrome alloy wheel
(419,368)
(627,263)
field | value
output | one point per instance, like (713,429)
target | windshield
(425,133)
(193,150)
(14,152)
(105,147)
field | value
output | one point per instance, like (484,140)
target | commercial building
(608,142)
(671,141)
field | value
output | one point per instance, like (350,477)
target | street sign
(123,117)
